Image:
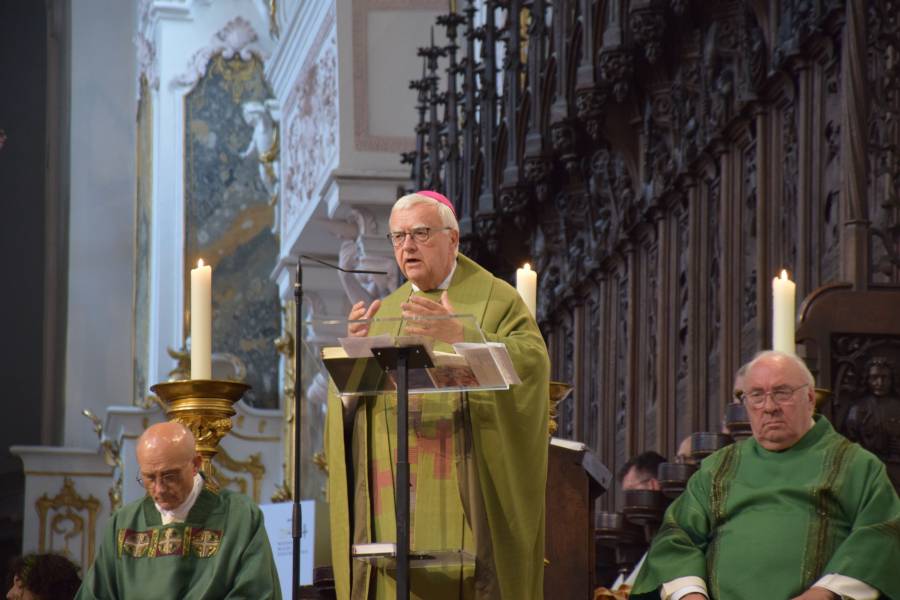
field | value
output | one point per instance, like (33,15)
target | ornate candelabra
(559,391)
(205,406)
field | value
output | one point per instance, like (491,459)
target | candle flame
(784,274)
(527,266)
(199,263)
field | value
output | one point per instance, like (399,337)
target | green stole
(759,524)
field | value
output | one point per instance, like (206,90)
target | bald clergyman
(182,540)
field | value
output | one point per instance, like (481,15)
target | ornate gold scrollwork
(253,465)
(68,499)
(286,346)
(559,391)
(273,19)
(182,358)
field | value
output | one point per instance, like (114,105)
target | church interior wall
(102,180)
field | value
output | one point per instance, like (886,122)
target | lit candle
(526,285)
(201,321)
(784,292)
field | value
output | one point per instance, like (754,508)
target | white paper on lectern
(504,361)
(279,520)
(490,362)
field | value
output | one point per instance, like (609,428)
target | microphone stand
(297,517)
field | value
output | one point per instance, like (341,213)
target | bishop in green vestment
(182,540)
(796,511)
(478,461)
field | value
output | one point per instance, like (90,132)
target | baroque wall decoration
(228,215)
(310,124)
(67,524)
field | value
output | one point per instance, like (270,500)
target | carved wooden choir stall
(658,162)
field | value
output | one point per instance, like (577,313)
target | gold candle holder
(205,406)
(822,394)
(559,391)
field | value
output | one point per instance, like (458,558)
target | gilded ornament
(205,407)
(68,499)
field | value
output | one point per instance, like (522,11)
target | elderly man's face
(167,474)
(427,263)
(778,426)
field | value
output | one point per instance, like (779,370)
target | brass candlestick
(205,406)
(559,391)
(822,394)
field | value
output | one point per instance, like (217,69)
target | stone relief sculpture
(874,419)
(263,143)
(364,249)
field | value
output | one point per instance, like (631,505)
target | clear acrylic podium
(403,357)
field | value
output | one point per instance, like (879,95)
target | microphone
(297,517)
(341,269)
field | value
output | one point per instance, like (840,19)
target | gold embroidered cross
(170,542)
(137,543)
(206,543)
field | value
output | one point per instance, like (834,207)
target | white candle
(201,321)
(526,285)
(784,293)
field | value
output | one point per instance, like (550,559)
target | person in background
(43,577)
(640,472)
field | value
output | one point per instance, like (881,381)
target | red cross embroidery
(382,479)
(439,446)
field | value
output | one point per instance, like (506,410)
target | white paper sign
(278,519)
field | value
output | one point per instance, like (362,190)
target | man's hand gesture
(360,312)
(418,309)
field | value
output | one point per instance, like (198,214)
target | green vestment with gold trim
(759,524)
(478,463)
(221,551)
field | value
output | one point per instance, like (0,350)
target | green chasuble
(759,524)
(478,464)
(220,551)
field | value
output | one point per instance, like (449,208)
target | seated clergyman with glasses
(795,512)
(182,540)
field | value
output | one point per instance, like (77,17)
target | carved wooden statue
(874,418)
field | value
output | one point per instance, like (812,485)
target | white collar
(180,513)
(444,284)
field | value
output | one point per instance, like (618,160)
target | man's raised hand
(418,309)
(360,312)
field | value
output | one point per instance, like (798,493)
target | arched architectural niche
(217,40)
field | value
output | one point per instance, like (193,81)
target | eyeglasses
(419,235)
(781,395)
(165,480)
